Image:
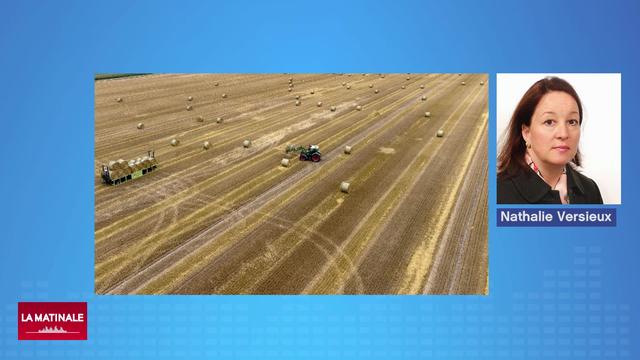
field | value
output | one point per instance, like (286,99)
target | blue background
(554,292)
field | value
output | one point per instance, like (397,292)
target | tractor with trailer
(119,171)
(311,152)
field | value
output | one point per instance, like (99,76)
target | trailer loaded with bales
(119,171)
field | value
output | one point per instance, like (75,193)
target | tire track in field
(458,231)
(140,217)
(383,268)
(191,169)
(368,230)
(212,261)
(415,275)
(333,154)
(204,199)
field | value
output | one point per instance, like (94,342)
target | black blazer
(529,188)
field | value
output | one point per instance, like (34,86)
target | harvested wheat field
(397,204)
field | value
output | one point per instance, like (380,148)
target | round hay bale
(290,89)
(189,107)
(344,187)
(382,76)
(371,86)
(200,118)
(297,102)
(290,79)
(312,92)
(344,83)
(404,87)
(421,86)
(206,145)
(319,104)
(348,87)
(216,83)
(347,149)
(297,97)
(224,96)
(118,99)
(427,114)
(285,162)
(246,143)
(175,142)
(463,83)
(424,98)
(358,107)
(190,98)
(481,82)
(219,120)
(376,91)
(333,108)
(140,126)
(408,78)
(440,133)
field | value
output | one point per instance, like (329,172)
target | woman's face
(554,132)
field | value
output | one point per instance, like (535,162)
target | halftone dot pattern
(569,318)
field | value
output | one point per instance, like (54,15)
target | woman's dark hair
(511,158)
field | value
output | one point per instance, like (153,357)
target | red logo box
(52,321)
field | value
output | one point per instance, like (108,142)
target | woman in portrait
(539,157)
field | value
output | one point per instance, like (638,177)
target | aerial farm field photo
(291,184)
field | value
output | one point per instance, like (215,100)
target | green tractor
(311,152)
